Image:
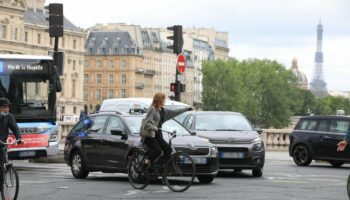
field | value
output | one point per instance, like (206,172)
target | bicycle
(348,186)
(10,185)
(178,172)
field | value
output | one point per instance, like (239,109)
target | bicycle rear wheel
(135,175)
(11,184)
(180,172)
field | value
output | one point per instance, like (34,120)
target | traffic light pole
(177,82)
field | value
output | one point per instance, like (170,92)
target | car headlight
(213,152)
(54,135)
(257,146)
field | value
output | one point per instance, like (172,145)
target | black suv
(103,142)
(316,138)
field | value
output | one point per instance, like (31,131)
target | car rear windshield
(218,122)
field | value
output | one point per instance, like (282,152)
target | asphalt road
(282,179)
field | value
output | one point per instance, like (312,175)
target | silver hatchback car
(238,143)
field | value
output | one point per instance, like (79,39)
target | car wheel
(78,166)
(336,163)
(301,155)
(257,172)
(205,178)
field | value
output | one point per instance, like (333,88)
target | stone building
(23,28)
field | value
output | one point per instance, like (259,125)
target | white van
(125,105)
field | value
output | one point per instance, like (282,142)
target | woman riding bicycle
(153,136)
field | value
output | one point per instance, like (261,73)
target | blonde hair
(158,100)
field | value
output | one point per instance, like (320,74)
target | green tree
(262,90)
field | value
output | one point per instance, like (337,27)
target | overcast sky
(274,29)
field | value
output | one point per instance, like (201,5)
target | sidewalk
(277,155)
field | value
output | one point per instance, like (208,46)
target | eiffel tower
(318,86)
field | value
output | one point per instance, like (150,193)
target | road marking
(132,192)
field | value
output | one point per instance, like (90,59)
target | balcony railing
(150,72)
(139,70)
(139,85)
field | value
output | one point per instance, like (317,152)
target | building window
(86,78)
(123,64)
(74,44)
(73,88)
(39,39)
(110,93)
(111,63)
(86,94)
(74,65)
(26,36)
(98,78)
(75,110)
(63,110)
(62,42)
(123,79)
(15,34)
(98,94)
(62,86)
(3,31)
(86,64)
(111,79)
(37,88)
(99,64)
(123,93)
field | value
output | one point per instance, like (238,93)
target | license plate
(200,160)
(231,155)
(26,153)
(186,160)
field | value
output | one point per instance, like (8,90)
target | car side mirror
(259,130)
(119,132)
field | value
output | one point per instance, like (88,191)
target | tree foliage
(263,90)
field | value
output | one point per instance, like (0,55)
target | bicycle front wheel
(136,177)
(179,172)
(348,186)
(11,184)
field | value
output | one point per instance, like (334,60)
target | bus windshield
(28,86)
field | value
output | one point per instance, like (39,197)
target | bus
(30,83)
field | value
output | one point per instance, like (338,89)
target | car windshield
(219,122)
(134,124)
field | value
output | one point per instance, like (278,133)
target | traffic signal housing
(177,87)
(177,38)
(55,20)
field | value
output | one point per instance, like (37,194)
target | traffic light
(177,87)
(177,38)
(55,20)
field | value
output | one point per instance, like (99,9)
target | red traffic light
(172,87)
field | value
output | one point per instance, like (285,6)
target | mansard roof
(111,43)
(30,16)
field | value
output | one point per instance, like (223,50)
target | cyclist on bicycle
(156,116)
(7,121)
(342,144)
